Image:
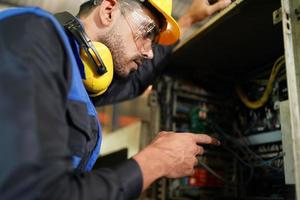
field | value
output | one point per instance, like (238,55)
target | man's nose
(147,51)
(148,54)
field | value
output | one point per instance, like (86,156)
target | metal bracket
(277,16)
(291,27)
(153,99)
(286,20)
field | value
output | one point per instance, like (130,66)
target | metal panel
(263,138)
(287,143)
(291,29)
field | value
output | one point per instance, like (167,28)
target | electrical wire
(268,162)
(251,167)
(238,157)
(264,98)
(211,171)
(245,150)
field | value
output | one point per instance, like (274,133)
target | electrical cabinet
(236,79)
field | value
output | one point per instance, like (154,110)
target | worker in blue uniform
(50,136)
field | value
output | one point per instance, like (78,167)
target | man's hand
(180,150)
(171,155)
(199,10)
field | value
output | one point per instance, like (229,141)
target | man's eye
(149,35)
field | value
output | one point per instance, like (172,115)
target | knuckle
(191,172)
(162,132)
(200,150)
(196,150)
(195,161)
(207,12)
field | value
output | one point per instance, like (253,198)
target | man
(136,83)
(49,133)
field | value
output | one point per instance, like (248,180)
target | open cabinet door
(291,31)
(238,46)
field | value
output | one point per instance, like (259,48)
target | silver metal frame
(291,32)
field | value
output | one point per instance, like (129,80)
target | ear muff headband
(96,57)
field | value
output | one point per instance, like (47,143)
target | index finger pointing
(205,139)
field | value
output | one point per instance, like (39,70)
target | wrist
(185,22)
(151,164)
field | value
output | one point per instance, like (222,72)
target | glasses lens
(151,32)
(143,26)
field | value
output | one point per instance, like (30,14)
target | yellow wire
(264,98)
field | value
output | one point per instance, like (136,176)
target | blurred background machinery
(228,79)
(249,163)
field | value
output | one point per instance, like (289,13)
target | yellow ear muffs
(96,57)
(97,84)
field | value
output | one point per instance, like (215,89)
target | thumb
(221,4)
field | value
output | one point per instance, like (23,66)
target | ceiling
(232,48)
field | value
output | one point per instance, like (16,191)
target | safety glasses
(143,27)
(144,37)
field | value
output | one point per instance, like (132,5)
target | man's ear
(107,10)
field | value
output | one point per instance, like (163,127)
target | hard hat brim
(172,32)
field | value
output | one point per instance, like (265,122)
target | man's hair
(87,7)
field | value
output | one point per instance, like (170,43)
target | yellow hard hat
(172,32)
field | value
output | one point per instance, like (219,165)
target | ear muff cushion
(97,84)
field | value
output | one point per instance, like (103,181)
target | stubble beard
(116,45)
